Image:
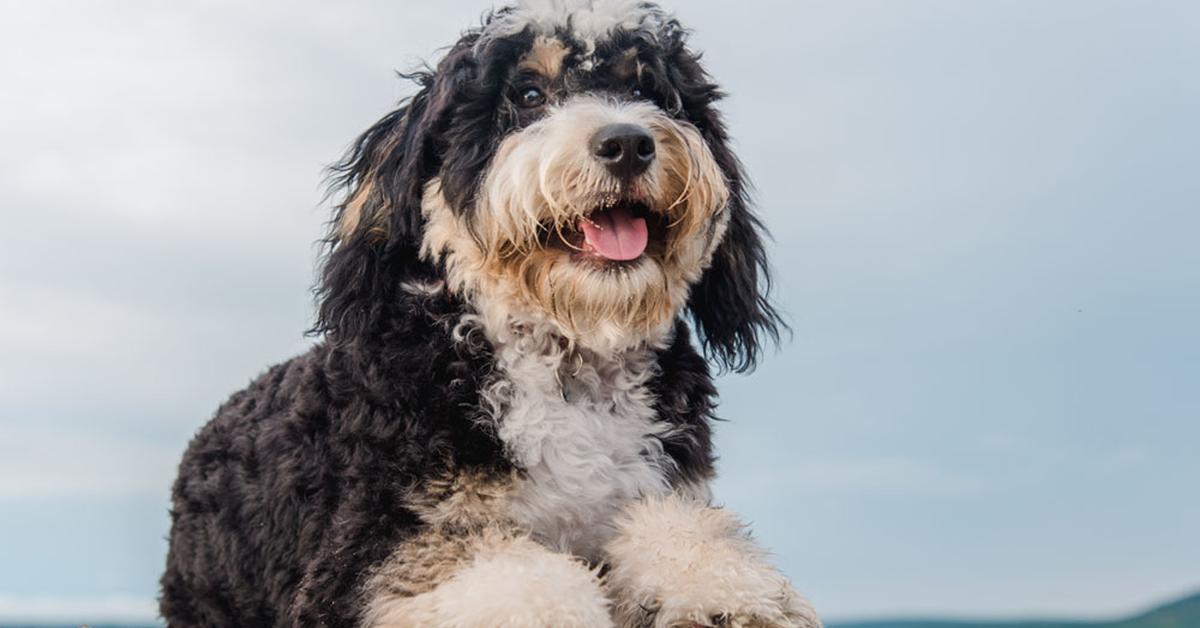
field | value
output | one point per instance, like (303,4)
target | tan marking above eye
(627,65)
(545,57)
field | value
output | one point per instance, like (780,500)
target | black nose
(625,149)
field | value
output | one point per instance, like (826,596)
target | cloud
(851,478)
(985,224)
(48,462)
(879,477)
(82,609)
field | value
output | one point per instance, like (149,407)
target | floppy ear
(375,235)
(729,305)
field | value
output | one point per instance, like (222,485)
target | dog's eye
(532,97)
(636,92)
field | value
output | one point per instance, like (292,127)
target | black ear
(729,305)
(374,238)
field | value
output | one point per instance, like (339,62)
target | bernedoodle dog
(505,422)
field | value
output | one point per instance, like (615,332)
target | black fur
(298,485)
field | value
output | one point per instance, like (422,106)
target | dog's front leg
(679,562)
(490,578)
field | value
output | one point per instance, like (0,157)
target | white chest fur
(585,433)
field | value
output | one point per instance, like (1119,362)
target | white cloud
(939,177)
(853,477)
(47,461)
(77,610)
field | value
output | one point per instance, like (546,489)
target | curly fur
(491,419)
(677,561)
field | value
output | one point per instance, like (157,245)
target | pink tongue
(615,233)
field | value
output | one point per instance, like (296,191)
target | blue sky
(985,218)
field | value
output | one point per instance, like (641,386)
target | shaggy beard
(543,181)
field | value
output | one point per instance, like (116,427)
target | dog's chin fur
(544,180)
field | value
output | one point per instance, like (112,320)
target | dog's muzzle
(614,231)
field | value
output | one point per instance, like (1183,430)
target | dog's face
(563,164)
(597,209)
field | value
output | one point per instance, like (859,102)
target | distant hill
(1184,613)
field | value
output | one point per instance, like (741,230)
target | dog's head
(564,165)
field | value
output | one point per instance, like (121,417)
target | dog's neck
(510,326)
(581,424)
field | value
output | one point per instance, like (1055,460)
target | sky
(985,219)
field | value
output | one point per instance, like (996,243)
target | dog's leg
(679,562)
(493,578)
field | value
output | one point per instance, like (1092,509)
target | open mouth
(617,230)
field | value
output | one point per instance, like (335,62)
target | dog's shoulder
(422,363)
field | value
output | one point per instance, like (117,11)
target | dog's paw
(731,608)
(676,563)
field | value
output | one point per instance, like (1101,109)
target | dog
(505,420)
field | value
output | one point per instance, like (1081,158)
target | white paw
(677,563)
(513,584)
